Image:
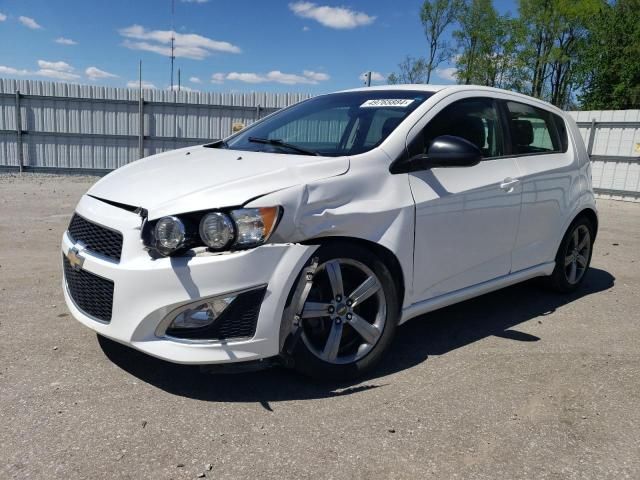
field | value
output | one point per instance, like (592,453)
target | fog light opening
(201,315)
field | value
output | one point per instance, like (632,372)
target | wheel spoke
(366,330)
(573,272)
(315,310)
(335,277)
(568,260)
(582,245)
(575,237)
(330,351)
(367,288)
(582,261)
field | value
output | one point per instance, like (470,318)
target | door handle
(508,184)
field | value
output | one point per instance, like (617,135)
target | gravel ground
(520,383)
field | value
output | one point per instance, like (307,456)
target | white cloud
(4,70)
(308,77)
(135,84)
(95,73)
(195,80)
(187,45)
(448,73)
(305,29)
(182,88)
(29,23)
(56,70)
(332,17)
(3,17)
(217,78)
(317,76)
(59,66)
(375,77)
(65,41)
(56,74)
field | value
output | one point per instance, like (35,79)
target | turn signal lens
(254,225)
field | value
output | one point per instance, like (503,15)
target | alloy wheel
(345,313)
(577,255)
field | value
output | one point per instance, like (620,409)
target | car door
(540,146)
(466,217)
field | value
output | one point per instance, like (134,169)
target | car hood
(199,178)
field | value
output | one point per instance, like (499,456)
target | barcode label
(388,102)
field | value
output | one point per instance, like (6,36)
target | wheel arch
(382,252)
(591,215)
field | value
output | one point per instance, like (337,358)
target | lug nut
(349,302)
(338,320)
(338,298)
(331,309)
(349,316)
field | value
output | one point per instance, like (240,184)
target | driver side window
(474,119)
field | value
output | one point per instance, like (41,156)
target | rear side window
(534,130)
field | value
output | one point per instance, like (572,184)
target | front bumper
(147,290)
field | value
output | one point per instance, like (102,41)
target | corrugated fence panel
(93,127)
(615,151)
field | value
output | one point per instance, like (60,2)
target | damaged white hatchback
(309,236)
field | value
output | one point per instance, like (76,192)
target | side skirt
(447,299)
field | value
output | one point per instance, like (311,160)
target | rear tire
(350,315)
(574,256)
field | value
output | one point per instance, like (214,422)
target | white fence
(64,127)
(613,141)
(59,126)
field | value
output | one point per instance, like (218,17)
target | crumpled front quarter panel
(366,203)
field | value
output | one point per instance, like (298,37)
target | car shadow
(436,333)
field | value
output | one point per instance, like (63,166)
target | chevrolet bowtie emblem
(75,258)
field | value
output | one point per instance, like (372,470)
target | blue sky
(221,45)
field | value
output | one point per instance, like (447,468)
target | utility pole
(367,79)
(178,79)
(173,38)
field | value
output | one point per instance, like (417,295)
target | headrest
(470,128)
(523,131)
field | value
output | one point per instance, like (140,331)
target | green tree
(411,70)
(610,70)
(436,16)
(555,33)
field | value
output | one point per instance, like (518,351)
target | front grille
(97,239)
(91,294)
(239,320)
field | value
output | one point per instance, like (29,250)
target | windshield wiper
(279,143)
(217,144)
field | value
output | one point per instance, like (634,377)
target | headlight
(169,234)
(219,230)
(216,230)
(254,225)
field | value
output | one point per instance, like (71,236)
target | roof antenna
(173,38)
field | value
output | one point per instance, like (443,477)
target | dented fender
(360,204)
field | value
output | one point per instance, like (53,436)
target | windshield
(331,125)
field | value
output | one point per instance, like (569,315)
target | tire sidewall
(306,362)
(558,277)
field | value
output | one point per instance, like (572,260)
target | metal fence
(612,138)
(46,126)
(63,127)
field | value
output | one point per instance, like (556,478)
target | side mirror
(444,151)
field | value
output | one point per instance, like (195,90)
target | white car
(310,235)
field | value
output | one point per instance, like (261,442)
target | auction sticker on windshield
(388,102)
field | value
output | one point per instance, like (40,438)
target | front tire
(350,315)
(573,257)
